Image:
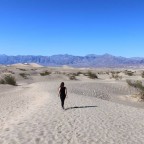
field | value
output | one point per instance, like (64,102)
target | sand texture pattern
(31,114)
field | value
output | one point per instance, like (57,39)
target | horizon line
(72,55)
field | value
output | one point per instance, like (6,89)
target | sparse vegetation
(78,73)
(107,73)
(8,79)
(57,72)
(91,75)
(102,72)
(116,76)
(2,81)
(138,86)
(24,75)
(33,69)
(72,77)
(129,73)
(115,72)
(85,74)
(22,69)
(45,73)
(8,71)
(142,74)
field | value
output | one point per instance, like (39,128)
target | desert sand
(97,111)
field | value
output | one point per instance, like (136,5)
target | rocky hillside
(91,60)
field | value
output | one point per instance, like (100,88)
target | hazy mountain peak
(90,60)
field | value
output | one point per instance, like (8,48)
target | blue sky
(77,27)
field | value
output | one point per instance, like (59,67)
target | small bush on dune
(2,81)
(115,72)
(116,76)
(129,73)
(33,69)
(57,72)
(10,72)
(7,71)
(45,73)
(24,75)
(85,74)
(142,74)
(118,72)
(78,73)
(101,72)
(92,75)
(107,73)
(72,77)
(22,69)
(75,74)
(138,86)
(8,79)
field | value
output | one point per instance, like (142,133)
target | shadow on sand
(76,107)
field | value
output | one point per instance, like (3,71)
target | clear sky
(77,27)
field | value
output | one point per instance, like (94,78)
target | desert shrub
(101,72)
(72,77)
(22,69)
(118,72)
(78,73)
(24,75)
(138,86)
(91,75)
(8,79)
(7,71)
(45,73)
(129,82)
(129,73)
(107,73)
(2,81)
(33,69)
(73,74)
(142,74)
(115,72)
(57,72)
(85,74)
(11,72)
(116,76)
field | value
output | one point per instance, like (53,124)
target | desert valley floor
(102,110)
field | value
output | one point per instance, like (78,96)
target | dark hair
(62,84)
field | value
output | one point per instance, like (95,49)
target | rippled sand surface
(94,114)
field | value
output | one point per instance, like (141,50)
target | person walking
(62,93)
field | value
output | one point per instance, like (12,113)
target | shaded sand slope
(37,118)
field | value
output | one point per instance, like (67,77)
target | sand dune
(27,65)
(94,113)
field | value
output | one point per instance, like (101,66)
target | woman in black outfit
(62,93)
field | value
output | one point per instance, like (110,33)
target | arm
(66,91)
(59,92)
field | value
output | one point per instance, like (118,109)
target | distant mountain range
(90,60)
